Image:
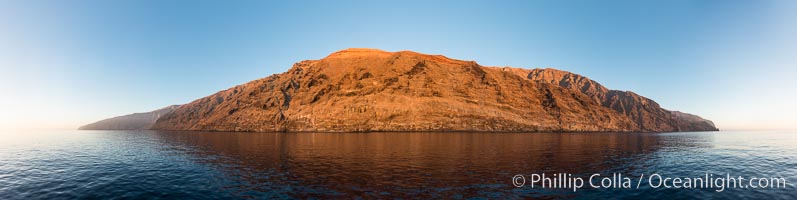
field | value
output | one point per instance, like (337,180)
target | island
(370,90)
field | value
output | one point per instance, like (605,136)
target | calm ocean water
(202,165)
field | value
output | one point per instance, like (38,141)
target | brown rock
(646,113)
(374,90)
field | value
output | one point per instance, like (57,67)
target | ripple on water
(201,165)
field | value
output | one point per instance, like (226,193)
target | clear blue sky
(67,63)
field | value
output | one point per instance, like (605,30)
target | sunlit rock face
(646,113)
(374,90)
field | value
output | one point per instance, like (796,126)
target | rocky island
(361,90)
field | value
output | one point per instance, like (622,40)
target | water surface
(213,165)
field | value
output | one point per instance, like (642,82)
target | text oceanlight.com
(619,181)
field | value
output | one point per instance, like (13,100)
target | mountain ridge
(359,89)
(135,121)
(645,112)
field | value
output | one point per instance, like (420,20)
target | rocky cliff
(374,90)
(136,121)
(646,113)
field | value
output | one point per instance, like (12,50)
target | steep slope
(646,113)
(136,121)
(374,90)
(690,122)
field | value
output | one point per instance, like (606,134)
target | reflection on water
(105,164)
(426,164)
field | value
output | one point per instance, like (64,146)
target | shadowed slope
(135,121)
(646,113)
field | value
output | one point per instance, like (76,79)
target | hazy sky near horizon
(68,63)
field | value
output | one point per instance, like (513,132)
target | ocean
(422,165)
